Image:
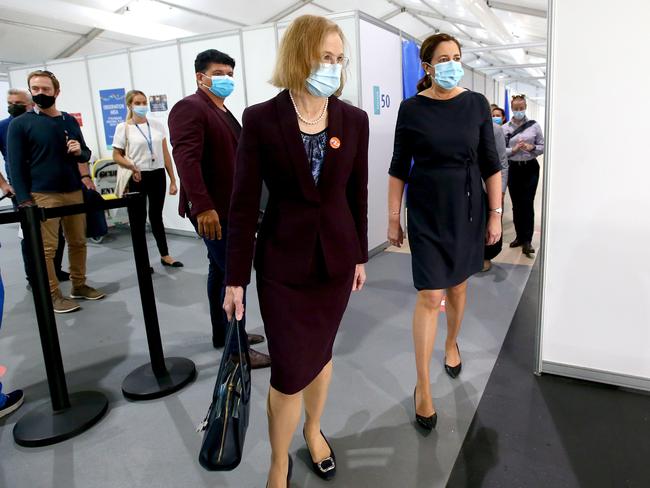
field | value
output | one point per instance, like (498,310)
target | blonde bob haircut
(300,52)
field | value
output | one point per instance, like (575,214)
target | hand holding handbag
(227,419)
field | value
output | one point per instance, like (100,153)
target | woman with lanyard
(524,142)
(447,131)
(140,145)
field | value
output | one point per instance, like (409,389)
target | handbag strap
(126,139)
(519,130)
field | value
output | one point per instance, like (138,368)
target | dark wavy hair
(426,54)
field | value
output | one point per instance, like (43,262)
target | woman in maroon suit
(311,150)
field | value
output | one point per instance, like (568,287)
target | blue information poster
(113,111)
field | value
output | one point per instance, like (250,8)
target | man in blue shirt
(19,102)
(45,149)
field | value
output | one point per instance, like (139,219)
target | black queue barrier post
(162,376)
(67,415)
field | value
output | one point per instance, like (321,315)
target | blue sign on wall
(113,111)
(381,100)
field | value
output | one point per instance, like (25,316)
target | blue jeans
(217,286)
(3,397)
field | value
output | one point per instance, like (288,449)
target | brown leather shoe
(255,339)
(259,360)
(527,249)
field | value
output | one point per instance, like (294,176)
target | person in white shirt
(140,145)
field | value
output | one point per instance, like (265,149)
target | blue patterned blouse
(315,145)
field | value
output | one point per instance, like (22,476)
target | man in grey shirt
(524,142)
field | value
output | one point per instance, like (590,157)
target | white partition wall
(260,45)
(381,94)
(75,96)
(373,76)
(106,73)
(595,310)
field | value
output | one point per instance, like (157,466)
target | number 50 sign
(382,100)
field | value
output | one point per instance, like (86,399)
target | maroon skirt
(301,322)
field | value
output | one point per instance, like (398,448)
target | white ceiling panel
(45,40)
(16,44)
(101,45)
(308,9)
(411,25)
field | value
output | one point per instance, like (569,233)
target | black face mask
(15,109)
(44,101)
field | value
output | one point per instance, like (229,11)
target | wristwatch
(497,210)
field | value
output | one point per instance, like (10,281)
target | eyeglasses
(329,59)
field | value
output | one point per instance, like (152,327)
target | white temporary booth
(595,301)
(374,83)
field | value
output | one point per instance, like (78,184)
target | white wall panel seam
(546,175)
(357,26)
(128,57)
(93,109)
(180,65)
(243,66)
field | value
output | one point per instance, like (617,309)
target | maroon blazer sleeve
(357,190)
(187,133)
(244,206)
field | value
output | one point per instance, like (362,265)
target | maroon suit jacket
(298,213)
(204,144)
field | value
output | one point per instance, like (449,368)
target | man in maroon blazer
(204,135)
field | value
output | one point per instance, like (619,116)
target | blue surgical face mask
(519,114)
(324,81)
(141,110)
(497,120)
(448,74)
(221,86)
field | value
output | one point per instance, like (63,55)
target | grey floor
(153,444)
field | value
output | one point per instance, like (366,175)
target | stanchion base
(43,426)
(142,384)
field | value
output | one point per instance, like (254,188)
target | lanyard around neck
(149,140)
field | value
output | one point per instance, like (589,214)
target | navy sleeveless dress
(451,144)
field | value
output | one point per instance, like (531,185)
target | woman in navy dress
(447,132)
(311,150)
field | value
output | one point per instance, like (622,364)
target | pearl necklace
(304,120)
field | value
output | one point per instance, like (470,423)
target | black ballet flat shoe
(427,423)
(289,472)
(454,371)
(175,264)
(515,243)
(326,468)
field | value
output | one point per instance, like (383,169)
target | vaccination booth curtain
(412,68)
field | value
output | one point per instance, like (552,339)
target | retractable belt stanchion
(66,415)
(162,376)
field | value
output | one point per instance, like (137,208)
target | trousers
(74,230)
(523,179)
(153,185)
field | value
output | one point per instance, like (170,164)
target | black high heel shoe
(326,468)
(427,423)
(454,371)
(289,472)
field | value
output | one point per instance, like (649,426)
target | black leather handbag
(96,225)
(227,419)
